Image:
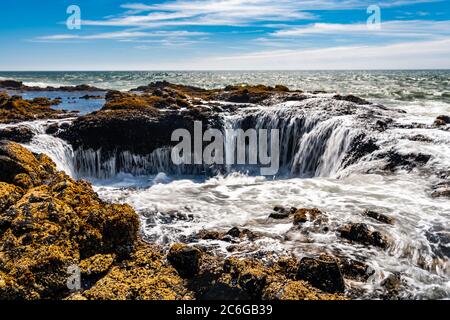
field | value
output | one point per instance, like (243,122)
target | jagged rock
(360,232)
(19,134)
(185,259)
(379,217)
(323,273)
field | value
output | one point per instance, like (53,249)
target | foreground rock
(51,225)
(15,109)
(49,222)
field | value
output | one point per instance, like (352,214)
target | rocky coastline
(50,222)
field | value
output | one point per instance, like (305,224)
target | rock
(185,259)
(49,222)
(91,97)
(98,264)
(361,146)
(379,217)
(304,215)
(139,130)
(351,98)
(392,283)
(145,276)
(11,84)
(442,121)
(21,134)
(323,273)
(355,270)
(441,189)
(282,212)
(19,86)
(420,138)
(360,232)
(15,109)
(296,291)
(395,160)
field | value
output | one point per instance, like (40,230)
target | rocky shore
(52,224)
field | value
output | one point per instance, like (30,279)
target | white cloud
(406,55)
(123,35)
(409,28)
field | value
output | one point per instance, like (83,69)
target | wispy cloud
(410,28)
(119,35)
(431,54)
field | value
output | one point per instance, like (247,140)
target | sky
(224,35)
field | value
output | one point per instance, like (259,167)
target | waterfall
(312,144)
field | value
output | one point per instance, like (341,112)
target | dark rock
(360,147)
(419,138)
(282,212)
(323,273)
(351,98)
(11,84)
(442,120)
(408,161)
(360,232)
(379,217)
(19,134)
(185,259)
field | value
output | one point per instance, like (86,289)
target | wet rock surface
(21,134)
(361,233)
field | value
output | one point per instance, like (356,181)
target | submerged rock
(441,189)
(360,232)
(379,217)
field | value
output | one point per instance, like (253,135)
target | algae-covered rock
(49,222)
(145,276)
(185,259)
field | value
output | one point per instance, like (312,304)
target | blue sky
(224,35)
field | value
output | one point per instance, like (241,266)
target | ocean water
(173,207)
